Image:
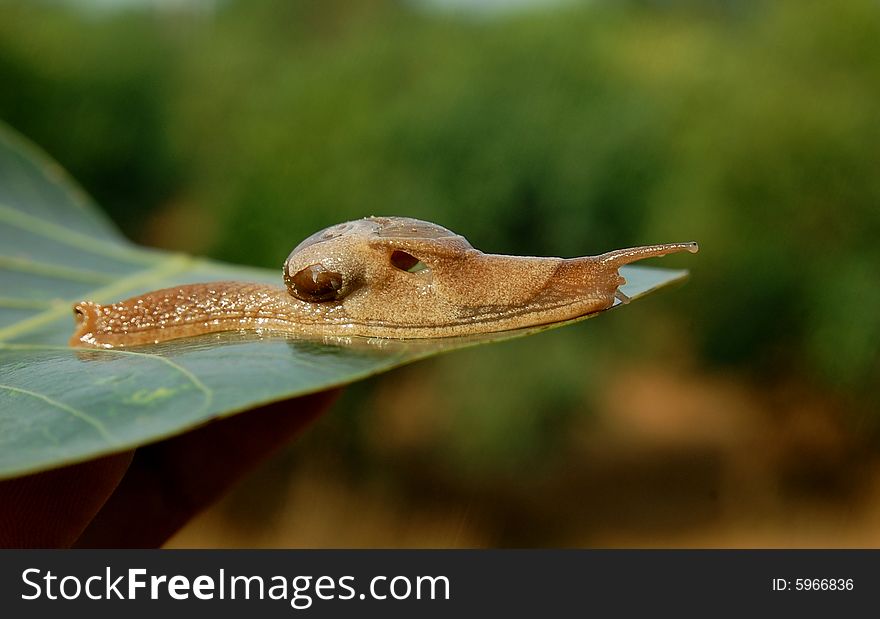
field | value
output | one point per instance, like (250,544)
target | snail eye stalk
(315,284)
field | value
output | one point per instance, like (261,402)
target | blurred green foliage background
(237,128)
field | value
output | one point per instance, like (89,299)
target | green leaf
(60,405)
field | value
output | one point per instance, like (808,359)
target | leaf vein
(21,303)
(173,264)
(207,392)
(58,272)
(60,234)
(82,416)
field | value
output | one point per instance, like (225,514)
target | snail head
(420,280)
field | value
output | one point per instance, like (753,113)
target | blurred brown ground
(674,458)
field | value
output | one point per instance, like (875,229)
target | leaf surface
(60,405)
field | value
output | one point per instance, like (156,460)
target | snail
(387,277)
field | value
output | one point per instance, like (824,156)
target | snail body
(390,277)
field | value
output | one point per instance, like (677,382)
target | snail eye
(315,284)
